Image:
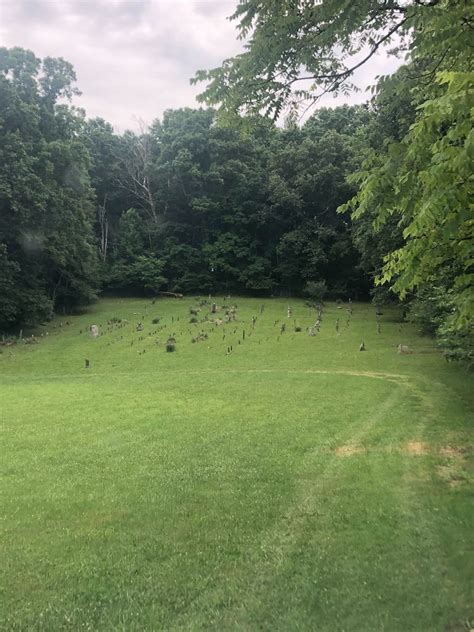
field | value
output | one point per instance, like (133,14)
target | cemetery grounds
(253,479)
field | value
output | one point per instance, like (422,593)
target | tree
(46,241)
(308,174)
(136,174)
(298,49)
(104,148)
(424,185)
(392,112)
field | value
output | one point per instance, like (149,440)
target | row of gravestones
(170,344)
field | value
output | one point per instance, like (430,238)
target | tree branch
(335,77)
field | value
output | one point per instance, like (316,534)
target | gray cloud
(134,58)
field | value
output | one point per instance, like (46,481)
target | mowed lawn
(294,483)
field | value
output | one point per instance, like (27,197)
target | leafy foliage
(46,240)
(297,50)
(417,196)
(245,209)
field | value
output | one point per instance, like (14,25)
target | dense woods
(226,200)
(186,205)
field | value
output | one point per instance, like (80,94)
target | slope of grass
(294,483)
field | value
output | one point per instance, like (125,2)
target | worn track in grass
(275,488)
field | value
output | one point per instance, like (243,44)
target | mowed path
(286,486)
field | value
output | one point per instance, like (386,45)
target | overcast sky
(134,58)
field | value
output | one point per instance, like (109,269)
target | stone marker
(404,349)
(95,331)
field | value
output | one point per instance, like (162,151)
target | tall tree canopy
(47,249)
(247,208)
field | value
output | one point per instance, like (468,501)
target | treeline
(190,206)
(185,205)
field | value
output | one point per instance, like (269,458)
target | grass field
(294,483)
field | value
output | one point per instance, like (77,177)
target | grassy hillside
(291,483)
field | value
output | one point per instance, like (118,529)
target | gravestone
(404,349)
(95,331)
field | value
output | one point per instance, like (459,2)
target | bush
(140,274)
(316,290)
(382,295)
(434,311)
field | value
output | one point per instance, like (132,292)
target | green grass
(293,484)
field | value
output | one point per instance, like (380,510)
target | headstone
(95,331)
(404,349)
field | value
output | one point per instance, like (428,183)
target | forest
(360,202)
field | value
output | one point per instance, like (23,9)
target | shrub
(316,290)
(170,345)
